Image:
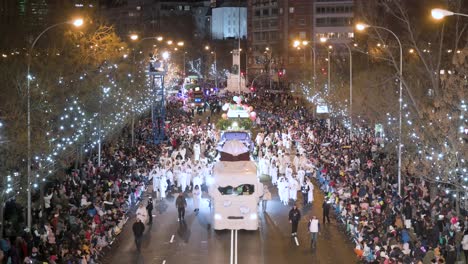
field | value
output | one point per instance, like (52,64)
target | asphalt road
(167,241)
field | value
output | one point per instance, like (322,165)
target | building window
(291,59)
(265,12)
(274,11)
(302,35)
(281,11)
(256,24)
(187,8)
(291,10)
(301,22)
(273,35)
(257,12)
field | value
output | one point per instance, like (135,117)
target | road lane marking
(172,238)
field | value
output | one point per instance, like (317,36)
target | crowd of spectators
(358,177)
(83,213)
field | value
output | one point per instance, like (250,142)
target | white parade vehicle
(235,189)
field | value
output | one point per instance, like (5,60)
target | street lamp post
(305,43)
(439,13)
(323,40)
(215,68)
(269,54)
(362,27)
(76,23)
(215,64)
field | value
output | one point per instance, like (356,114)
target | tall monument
(233,83)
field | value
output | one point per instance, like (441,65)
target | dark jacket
(294,215)
(149,206)
(181,202)
(138,229)
(326,207)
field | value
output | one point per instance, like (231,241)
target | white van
(235,190)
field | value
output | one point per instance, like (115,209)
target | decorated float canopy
(234,150)
(242,136)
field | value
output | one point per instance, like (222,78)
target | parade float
(235,188)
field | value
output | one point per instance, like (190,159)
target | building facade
(333,20)
(228,22)
(273,26)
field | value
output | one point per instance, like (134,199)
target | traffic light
(281,73)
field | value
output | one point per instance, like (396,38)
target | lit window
(291,10)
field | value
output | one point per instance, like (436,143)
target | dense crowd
(359,180)
(83,213)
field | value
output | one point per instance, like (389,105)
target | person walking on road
(181,203)
(326,211)
(149,208)
(197,194)
(294,217)
(265,197)
(314,229)
(138,230)
(305,193)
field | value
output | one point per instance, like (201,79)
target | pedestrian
(142,214)
(196,194)
(149,208)
(181,203)
(465,245)
(138,230)
(265,197)
(326,211)
(314,229)
(294,217)
(305,193)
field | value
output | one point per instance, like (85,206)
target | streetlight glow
(134,37)
(305,42)
(180,43)
(159,38)
(78,22)
(323,39)
(439,13)
(361,26)
(296,43)
(207,47)
(165,55)
(169,42)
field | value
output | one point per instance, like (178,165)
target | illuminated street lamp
(439,13)
(361,27)
(297,44)
(180,43)
(165,55)
(77,23)
(134,37)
